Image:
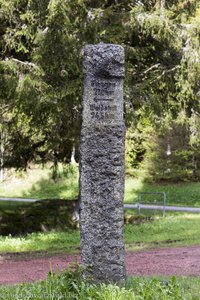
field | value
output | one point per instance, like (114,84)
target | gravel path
(18,268)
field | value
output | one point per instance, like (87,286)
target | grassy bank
(38,183)
(175,229)
(69,286)
(183,193)
(53,242)
(180,230)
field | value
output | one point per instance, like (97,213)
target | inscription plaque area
(102,165)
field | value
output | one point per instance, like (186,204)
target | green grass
(67,242)
(177,230)
(11,205)
(184,288)
(174,230)
(171,231)
(38,183)
(184,194)
(70,286)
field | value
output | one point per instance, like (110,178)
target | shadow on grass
(40,216)
(21,217)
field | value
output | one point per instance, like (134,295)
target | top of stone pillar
(104,61)
(103,69)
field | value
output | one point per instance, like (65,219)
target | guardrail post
(164,207)
(139,201)
(139,204)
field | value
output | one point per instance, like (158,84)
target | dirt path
(17,268)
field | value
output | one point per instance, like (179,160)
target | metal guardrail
(18,199)
(151,193)
(167,208)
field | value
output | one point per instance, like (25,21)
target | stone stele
(102,166)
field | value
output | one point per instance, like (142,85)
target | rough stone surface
(102,164)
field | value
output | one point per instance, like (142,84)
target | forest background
(41,82)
